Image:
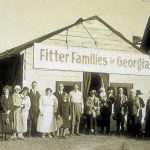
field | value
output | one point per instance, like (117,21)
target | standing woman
(18,119)
(48,105)
(6,112)
(26,106)
(64,113)
(93,111)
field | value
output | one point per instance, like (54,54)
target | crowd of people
(26,112)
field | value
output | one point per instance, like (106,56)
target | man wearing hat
(140,114)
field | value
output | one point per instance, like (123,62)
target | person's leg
(122,123)
(33,129)
(73,118)
(108,124)
(118,126)
(88,123)
(91,123)
(95,125)
(78,115)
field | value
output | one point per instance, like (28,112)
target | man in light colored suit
(76,101)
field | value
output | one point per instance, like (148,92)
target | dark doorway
(95,82)
(11,71)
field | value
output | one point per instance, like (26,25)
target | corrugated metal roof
(18,49)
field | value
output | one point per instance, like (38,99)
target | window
(68,85)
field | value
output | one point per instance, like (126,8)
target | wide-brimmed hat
(17,87)
(138,92)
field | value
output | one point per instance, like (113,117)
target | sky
(24,20)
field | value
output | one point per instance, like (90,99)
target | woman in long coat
(6,113)
(18,118)
(48,105)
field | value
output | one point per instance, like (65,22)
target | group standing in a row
(26,112)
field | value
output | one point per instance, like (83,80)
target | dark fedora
(138,92)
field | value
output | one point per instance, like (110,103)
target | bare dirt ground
(84,142)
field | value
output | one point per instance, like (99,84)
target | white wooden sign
(90,60)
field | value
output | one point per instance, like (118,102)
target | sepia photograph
(75,75)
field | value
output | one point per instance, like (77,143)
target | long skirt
(6,123)
(18,120)
(25,119)
(47,122)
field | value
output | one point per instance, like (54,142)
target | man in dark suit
(59,95)
(34,109)
(140,115)
(147,119)
(106,111)
(120,110)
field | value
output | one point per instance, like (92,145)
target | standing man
(120,110)
(34,109)
(147,119)
(77,106)
(133,106)
(106,111)
(140,115)
(59,95)
(110,101)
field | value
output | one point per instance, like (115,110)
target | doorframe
(129,86)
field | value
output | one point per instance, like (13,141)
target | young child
(64,114)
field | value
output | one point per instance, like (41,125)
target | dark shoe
(64,137)
(78,134)
(72,134)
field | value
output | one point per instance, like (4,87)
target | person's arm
(55,104)
(28,104)
(82,104)
(40,105)
(3,108)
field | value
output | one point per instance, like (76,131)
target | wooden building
(18,64)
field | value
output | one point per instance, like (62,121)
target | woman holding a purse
(6,113)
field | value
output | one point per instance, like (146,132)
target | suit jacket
(120,105)
(34,98)
(59,98)
(148,111)
(133,105)
(110,101)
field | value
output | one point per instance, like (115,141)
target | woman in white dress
(26,106)
(18,119)
(48,105)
